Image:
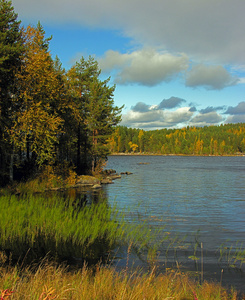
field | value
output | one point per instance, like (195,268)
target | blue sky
(174,62)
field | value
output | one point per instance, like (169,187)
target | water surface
(202,198)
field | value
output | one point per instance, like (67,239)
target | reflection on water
(196,201)
(82,195)
(188,194)
(199,198)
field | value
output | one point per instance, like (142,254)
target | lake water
(198,199)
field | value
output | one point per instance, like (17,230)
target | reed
(233,256)
(52,281)
(34,226)
(37,226)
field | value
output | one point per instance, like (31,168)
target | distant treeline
(226,139)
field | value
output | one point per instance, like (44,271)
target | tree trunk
(78,148)
(11,166)
(93,166)
(28,149)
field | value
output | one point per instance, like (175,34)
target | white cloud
(237,110)
(156,118)
(142,117)
(149,67)
(146,66)
(235,119)
(210,77)
(211,118)
(171,103)
(113,60)
(242,80)
(171,32)
(141,107)
(204,29)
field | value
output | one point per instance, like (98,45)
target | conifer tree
(11,48)
(94,114)
(101,119)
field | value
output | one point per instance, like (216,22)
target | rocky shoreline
(92,182)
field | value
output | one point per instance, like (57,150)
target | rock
(112,175)
(126,173)
(116,176)
(96,186)
(87,180)
(109,171)
(106,180)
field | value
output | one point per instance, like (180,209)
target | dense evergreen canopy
(11,49)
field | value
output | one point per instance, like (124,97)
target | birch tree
(36,124)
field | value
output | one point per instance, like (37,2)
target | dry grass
(56,282)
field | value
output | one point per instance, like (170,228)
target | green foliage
(50,116)
(56,116)
(11,48)
(36,124)
(10,44)
(36,226)
(233,256)
(213,140)
(93,113)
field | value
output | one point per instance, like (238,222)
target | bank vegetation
(55,125)
(49,116)
(228,139)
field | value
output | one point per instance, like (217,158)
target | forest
(57,124)
(66,120)
(49,116)
(228,139)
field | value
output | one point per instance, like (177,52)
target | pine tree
(101,118)
(94,115)
(11,48)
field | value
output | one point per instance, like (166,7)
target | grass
(233,256)
(48,178)
(37,225)
(34,226)
(51,281)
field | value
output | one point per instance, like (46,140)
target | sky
(175,63)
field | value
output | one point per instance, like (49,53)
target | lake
(199,202)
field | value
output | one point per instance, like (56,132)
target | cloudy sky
(174,62)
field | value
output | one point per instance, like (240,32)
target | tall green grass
(34,226)
(38,226)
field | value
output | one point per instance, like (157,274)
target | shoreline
(160,154)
